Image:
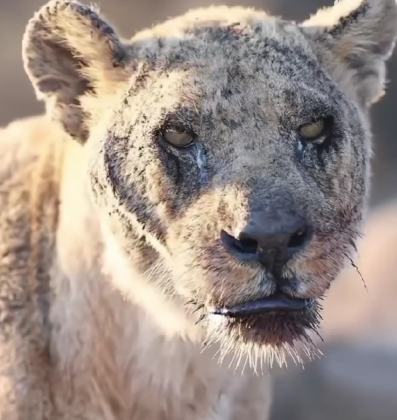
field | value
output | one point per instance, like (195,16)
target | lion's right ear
(68,51)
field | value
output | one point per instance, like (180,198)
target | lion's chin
(268,337)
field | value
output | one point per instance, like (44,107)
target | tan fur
(107,240)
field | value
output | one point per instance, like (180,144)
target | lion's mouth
(277,321)
(278,302)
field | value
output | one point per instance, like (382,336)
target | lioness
(183,206)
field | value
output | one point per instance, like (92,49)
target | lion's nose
(269,239)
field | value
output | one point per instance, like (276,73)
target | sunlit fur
(110,247)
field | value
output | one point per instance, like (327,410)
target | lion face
(234,154)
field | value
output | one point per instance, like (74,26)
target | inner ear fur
(355,38)
(70,51)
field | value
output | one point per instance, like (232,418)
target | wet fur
(105,238)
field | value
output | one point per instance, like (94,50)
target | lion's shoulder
(30,156)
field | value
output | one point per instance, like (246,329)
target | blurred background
(357,377)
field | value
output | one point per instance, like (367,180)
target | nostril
(248,246)
(298,239)
(240,246)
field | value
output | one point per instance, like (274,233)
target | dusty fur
(111,253)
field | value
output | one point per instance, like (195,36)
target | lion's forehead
(221,35)
(249,65)
(251,74)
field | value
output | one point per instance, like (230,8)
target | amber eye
(313,130)
(178,138)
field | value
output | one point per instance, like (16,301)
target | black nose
(270,239)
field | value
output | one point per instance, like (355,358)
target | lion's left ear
(355,38)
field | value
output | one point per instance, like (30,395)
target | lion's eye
(313,130)
(177,138)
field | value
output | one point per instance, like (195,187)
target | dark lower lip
(275,303)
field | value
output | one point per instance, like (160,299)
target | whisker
(201,306)
(200,319)
(353,244)
(357,270)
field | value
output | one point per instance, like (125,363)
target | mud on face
(232,152)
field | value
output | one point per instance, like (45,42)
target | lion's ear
(355,38)
(68,51)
